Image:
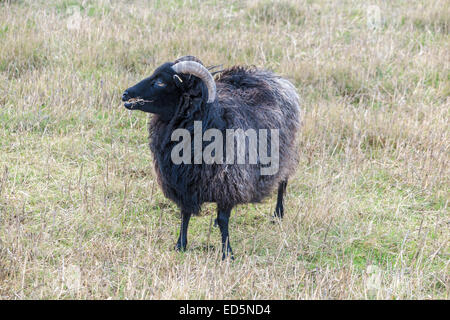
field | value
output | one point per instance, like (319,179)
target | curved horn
(196,69)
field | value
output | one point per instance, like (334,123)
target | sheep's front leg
(182,239)
(223,217)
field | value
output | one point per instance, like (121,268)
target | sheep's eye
(159,83)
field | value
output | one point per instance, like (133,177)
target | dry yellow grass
(367,212)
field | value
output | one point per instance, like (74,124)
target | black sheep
(181,92)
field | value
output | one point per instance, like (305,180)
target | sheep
(182,93)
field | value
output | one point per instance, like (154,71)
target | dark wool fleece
(246,98)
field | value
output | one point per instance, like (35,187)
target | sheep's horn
(196,69)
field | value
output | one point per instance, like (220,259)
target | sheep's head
(162,92)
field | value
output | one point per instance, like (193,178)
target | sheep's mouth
(132,102)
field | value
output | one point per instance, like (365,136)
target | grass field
(367,215)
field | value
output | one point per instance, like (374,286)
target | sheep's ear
(178,81)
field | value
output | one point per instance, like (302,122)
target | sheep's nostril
(125,96)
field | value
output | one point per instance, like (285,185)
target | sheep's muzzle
(132,102)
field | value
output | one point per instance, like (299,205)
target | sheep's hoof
(279,213)
(276,218)
(227,253)
(180,248)
(231,256)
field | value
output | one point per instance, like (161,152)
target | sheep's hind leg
(279,209)
(223,217)
(182,240)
